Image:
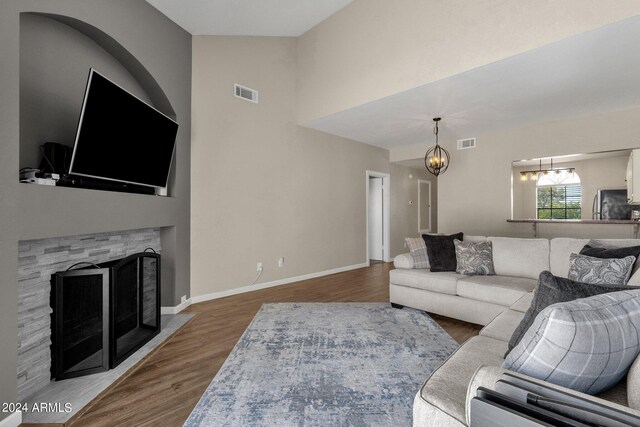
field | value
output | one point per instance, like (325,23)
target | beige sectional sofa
(499,302)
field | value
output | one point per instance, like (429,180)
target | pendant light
(436,160)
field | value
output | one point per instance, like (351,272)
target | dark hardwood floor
(165,386)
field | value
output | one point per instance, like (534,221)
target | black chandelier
(436,160)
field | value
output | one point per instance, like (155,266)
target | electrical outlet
(281,262)
(259,266)
(183,299)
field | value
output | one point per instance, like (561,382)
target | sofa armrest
(486,376)
(403,261)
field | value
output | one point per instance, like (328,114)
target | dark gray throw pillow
(551,290)
(611,252)
(442,251)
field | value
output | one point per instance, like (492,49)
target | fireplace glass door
(135,303)
(80,322)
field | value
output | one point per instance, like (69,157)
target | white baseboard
(177,309)
(258,286)
(13,420)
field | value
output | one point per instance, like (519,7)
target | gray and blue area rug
(325,364)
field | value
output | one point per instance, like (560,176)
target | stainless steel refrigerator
(611,204)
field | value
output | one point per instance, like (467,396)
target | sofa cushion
(503,290)
(474,258)
(444,282)
(403,261)
(520,257)
(633,384)
(502,327)
(447,387)
(441,251)
(551,290)
(586,345)
(523,304)
(600,271)
(418,251)
(563,247)
(474,239)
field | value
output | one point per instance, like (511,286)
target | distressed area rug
(325,364)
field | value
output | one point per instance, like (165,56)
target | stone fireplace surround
(37,260)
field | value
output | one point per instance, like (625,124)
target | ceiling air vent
(463,144)
(246,93)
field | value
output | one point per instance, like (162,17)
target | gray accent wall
(38,260)
(148,54)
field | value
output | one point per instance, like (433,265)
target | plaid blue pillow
(586,345)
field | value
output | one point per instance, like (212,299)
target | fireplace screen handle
(81,263)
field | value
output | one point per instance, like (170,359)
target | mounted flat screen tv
(122,138)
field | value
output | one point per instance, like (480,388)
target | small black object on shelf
(101,184)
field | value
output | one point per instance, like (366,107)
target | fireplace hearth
(103,313)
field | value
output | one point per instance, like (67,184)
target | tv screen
(122,138)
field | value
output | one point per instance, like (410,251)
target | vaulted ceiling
(248,17)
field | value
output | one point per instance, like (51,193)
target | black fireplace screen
(103,313)
(80,322)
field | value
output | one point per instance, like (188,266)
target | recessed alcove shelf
(90,189)
(52,82)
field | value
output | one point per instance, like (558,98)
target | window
(558,196)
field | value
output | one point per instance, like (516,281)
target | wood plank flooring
(166,386)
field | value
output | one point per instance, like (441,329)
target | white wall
(595,174)
(474,195)
(264,187)
(376,48)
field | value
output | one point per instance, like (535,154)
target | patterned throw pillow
(552,290)
(600,271)
(474,258)
(586,345)
(418,251)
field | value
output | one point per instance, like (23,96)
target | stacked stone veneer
(38,260)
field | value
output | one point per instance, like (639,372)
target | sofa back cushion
(563,247)
(520,257)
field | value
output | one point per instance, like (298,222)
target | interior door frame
(424,230)
(386,214)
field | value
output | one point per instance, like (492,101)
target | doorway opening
(424,206)
(378,212)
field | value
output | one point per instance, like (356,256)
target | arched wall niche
(56,52)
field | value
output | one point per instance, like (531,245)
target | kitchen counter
(535,222)
(577,221)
